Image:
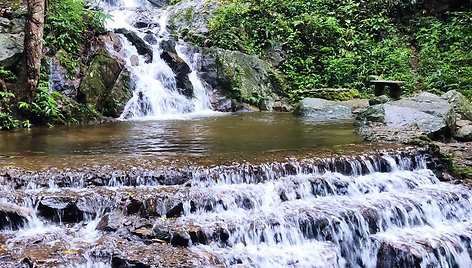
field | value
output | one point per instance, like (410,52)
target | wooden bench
(395,87)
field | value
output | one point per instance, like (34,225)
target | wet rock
(159,3)
(221,103)
(13,216)
(390,256)
(134,205)
(161,232)
(60,209)
(62,80)
(119,262)
(111,222)
(134,60)
(175,211)
(140,44)
(180,238)
(150,38)
(181,71)
(323,110)
(143,233)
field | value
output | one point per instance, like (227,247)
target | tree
(31,63)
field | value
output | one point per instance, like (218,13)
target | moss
(336,95)
(116,99)
(98,80)
(447,160)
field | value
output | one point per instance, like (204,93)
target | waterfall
(155,95)
(387,210)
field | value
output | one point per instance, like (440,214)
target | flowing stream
(378,210)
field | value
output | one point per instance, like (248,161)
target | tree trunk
(30,71)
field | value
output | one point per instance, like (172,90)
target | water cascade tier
(383,209)
(164,73)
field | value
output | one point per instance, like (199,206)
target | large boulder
(190,19)
(462,129)
(11,38)
(241,78)
(323,110)
(11,47)
(407,118)
(105,86)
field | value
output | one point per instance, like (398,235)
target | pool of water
(227,135)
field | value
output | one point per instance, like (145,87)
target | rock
(59,77)
(105,86)
(462,129)
(141,46)
(134,60)
(13,216)
(143,233)
(115,101)
(379,100)
(134,205)
(220,103)
(60,209)
(11,48)
(110,222)
(464,132)
(161,232)
(323,110)
(407,118)
(119,262)
(180,238)
(241,78)
(190,19)
(159,3)
(150,38)
(455,98)
(391,256)
(180,69)
(175,211)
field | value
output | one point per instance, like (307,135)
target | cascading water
(376,211)
(155,95)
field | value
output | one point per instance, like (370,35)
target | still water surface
(228,134)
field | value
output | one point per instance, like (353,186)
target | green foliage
(446,53)
(67,21)
(328,43)
(68,62)
(7,121)
(7,75)
(44,108)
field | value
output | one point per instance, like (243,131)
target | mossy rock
(244,78)
(333,94)
(116,99)
(98,81)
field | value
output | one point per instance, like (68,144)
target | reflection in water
(229,134)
